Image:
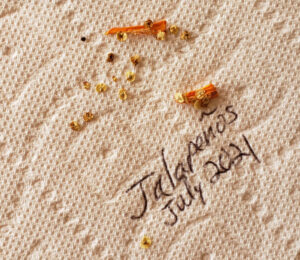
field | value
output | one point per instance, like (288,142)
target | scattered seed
(146,242)
(185,35)
(110,57)
(75,126)
(122,94)
(135,60)
(173,29)
(114,78)
(101,87)
(130,76)
(161,36)
(83,39)
(88,116)
(86,85)
(148,24)
(122,36)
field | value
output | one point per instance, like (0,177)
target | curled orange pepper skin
(141,29)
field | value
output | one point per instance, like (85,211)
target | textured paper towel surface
(63,193)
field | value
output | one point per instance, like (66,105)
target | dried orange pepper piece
(200,96)
(141,29)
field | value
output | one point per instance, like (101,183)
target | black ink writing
(199,190)
(168,206)
(220,168)
(197,146)
(140,183)
(207,114)
(228,156)
(166,168)
(202,142)
(222,123)
(230,111)
(158,189)
(181,208)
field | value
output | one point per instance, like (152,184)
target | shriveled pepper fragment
(199,98)
(148,28)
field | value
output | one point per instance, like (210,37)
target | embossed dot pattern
(63,193)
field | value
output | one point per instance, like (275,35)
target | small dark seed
(110,57)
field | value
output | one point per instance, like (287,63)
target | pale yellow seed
(179,98)
(130,76)
(185,35)
(135,60)
(146,242)
(122,94)
(173,29)
(122,36)
(86,85)
(75,126)
(88,116)
(101,87)
(114,78)
(161,36)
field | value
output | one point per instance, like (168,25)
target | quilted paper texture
(77,195)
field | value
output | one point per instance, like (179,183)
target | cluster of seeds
(102,87)
(87,117)
(185,35)
(149,27)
